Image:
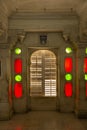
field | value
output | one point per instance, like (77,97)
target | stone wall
(6,8)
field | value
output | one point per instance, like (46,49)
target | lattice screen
(43,73)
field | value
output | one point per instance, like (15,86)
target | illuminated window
(18,66)
(17,51)
(68,89)
(85,65)
(43,73)
(68,77)
(68,50)
(18,78)
(68,65)
(18,90)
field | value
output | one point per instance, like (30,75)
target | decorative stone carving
(20,37)
(66,37)
(15,36)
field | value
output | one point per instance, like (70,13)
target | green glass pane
(86,50)
(68,50)
(18,78)
(85,76)
(68,77)
(17,51)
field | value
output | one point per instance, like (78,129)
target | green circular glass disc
(85,76)
(68,77)
(86,50)
(17,51)
(18,78)
(68,50)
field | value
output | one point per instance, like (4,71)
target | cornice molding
(44,15)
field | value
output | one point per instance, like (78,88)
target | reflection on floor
(44,120)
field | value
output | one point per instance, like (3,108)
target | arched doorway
(43,80)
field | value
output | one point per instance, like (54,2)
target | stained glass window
(86,50)
(85,65)
(18,90)
(68,50)
(68,65)
(68,77)
(68,89)
(18,78)
(18,66)
(85,76)
(17,51)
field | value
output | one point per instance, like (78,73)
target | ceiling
(34,5)
(79,6)
(11,7)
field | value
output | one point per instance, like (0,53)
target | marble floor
(44,120)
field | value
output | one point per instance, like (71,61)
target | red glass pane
(18,90)
(86,89)
(68,89)
(18,66)
(68,64)
(85,65)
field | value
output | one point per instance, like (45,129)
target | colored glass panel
(18,78)
(68,50)
(17,51)
(68,65)
(86,50)
(85,76)
(18,66)
(85,65)
(68,77)
(68,90)
(18,90)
